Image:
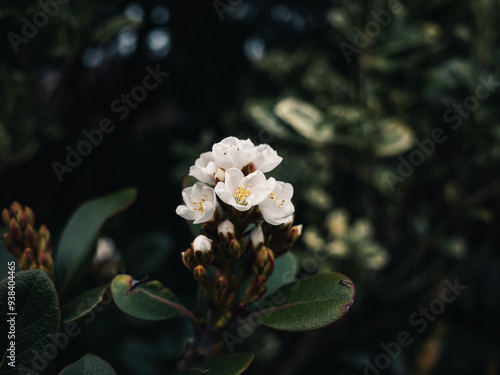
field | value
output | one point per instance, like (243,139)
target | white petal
(202,243)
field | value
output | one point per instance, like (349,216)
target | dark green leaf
(146,301)
(36,323)
(89,364)
(77,245)
(83,304)
(231,364)
(308,304)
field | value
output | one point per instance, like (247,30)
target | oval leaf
(83,304)
(146,301)
(36,322)
(89,364)
(231,364)
(77,245)
(309,304)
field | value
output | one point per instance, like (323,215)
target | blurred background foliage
(343,114)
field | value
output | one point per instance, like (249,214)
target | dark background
(276,72)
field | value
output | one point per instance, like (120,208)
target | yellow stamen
(241,195)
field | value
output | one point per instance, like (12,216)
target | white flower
(244,192)
(278,207)
(257,237)
(202,243)
(204,168)
(200,203)
(226,230)
(265,158)
(232,152)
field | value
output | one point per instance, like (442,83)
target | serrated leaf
(230,364)
(309,304)
(89,364)
(36,323)
(146,301)
(77,245)
(82,304)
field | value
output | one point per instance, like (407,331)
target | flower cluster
(32,248)
(232,175)
(247,222)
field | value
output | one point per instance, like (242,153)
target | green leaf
(146,301)
(36,323)
(77,245)
(230,364)
(89,364)
(83,304)
(308,304)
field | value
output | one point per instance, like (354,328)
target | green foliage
(89,364)
(309,304)
(37,322)
(146,301)
(82,304)
(78,242)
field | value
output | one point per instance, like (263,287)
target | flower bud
(15,208)
(11,245)
(15,230)
(235,249)
(21,218)
(45,262)
(30,216)
(202,243)
(219,175)
(44,232)
(27,261)
(256,289)
(295,232)
(188,258)
(30,237)
(249,168)
(200,274)
(256,238)
(226,231)
(263,263)
(221,285)
(6,217)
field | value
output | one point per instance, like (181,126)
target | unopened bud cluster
(247,222)
(32,248)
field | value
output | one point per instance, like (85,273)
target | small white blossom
(200,203)
(278,208)
(202,243)
(265,158)
(257,237)
(232,152)
(226,230)
(204,168)
(244,192)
